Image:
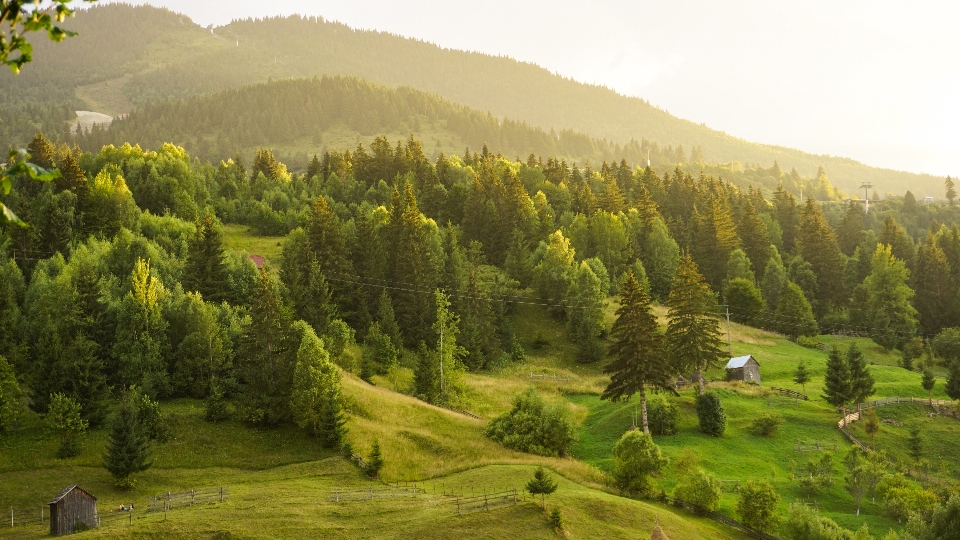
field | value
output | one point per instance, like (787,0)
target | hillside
(128,55)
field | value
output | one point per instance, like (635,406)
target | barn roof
(739,362)
(68,490)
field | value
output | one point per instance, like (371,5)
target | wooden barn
(743,368)
(73,505)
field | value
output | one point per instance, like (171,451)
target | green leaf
(7,216)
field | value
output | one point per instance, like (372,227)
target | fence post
(221,493)
(458,506)
(164,510)
(131,516)
(11,516)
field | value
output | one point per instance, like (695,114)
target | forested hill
(126,55)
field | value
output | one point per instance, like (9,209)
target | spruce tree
(314,378)
(693,332)
(375,460)
(63,415)
(333,421)
(887,310)
(11,397)
(744,300)
(141,333)
(850,229)
(802,376)
(788,216)
(205,270)
(935,287)
(774,276)
(128,448)
(542,484)
(837,385)
(951,191)
(952,387)
(861,382)
(817,244)
(585,305)
(637,349)
(901,245)
(414,268)
(928,382)
(754,237)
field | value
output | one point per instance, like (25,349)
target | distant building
(743,368)
(928,200)
(72,506)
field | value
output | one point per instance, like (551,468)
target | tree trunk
(703,388)
(643,409)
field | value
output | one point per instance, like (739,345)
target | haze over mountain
(116,63)
(869,80)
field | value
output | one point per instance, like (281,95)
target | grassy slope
(279,478)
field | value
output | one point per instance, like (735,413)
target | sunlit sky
(878,81)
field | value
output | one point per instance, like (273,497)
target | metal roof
(68,490)
(739,362)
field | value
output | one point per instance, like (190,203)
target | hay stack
(658,534)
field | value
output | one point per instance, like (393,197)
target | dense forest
(122,60)
(123,278)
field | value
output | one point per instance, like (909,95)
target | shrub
(540,342)
(809,342)
(556,519)
(700,489)
(375,460)
(638,459)
(662,416)
(805,523)
(710,413)
(757,506)
(534,426)
(766,424)
(215,406)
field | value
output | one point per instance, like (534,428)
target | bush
(638,459)
(805,523)
(534,426)
(757,506)
(809,342)
(710,413)
(662,416)
(766,424)
(556,519)
(215,406)
(700,489)
(375,460)
(540,342)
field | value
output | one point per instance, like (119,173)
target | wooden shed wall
(73,507)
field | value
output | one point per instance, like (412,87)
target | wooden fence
(858,414)
(549,377)
(168,501)
(23,516)
(461,411)
(487,501)
(790,393)
(345,494)
(815,446)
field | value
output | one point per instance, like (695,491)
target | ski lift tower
(866,196)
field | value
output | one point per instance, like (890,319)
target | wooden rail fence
(345,494)
(168,501)
(815,446)
(487,501)
(790,393)
(549,377)
(19,516)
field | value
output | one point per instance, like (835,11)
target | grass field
(278,479)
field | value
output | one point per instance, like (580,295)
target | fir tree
(375,460)
(774,276)
(128,448)
(887,310)
(837,384)
(753,237)
(788,216)
(861,382)
(952,387)
(205,270)
(851,228)
(585,301)
(934,286)
(637,349)
(901,245)
(414,267)
(542,484)
(315,168)
(951,192)
(802,376)
(693,333)
(817,244)
(928,382)
(333,421)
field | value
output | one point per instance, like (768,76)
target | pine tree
(794,316)
(861,382)
(315,168)
(205,270)
(693,332)
(128,448)
(817,244)
(928,382)
(788,216)
(266,356)
(934,287)
(585,305)
(753,237)
(802,376)
(637,349)
(415,268)
(542,484)
(375,460)
(887,310)
(901,245)
(951,191)
(333,421)
(837,385)
(850,229)
(952,387)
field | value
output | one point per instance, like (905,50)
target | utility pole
(866,197)
(729,346)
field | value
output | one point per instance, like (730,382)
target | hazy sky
(878,81)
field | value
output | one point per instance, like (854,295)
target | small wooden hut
(73,505)
(743,368)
